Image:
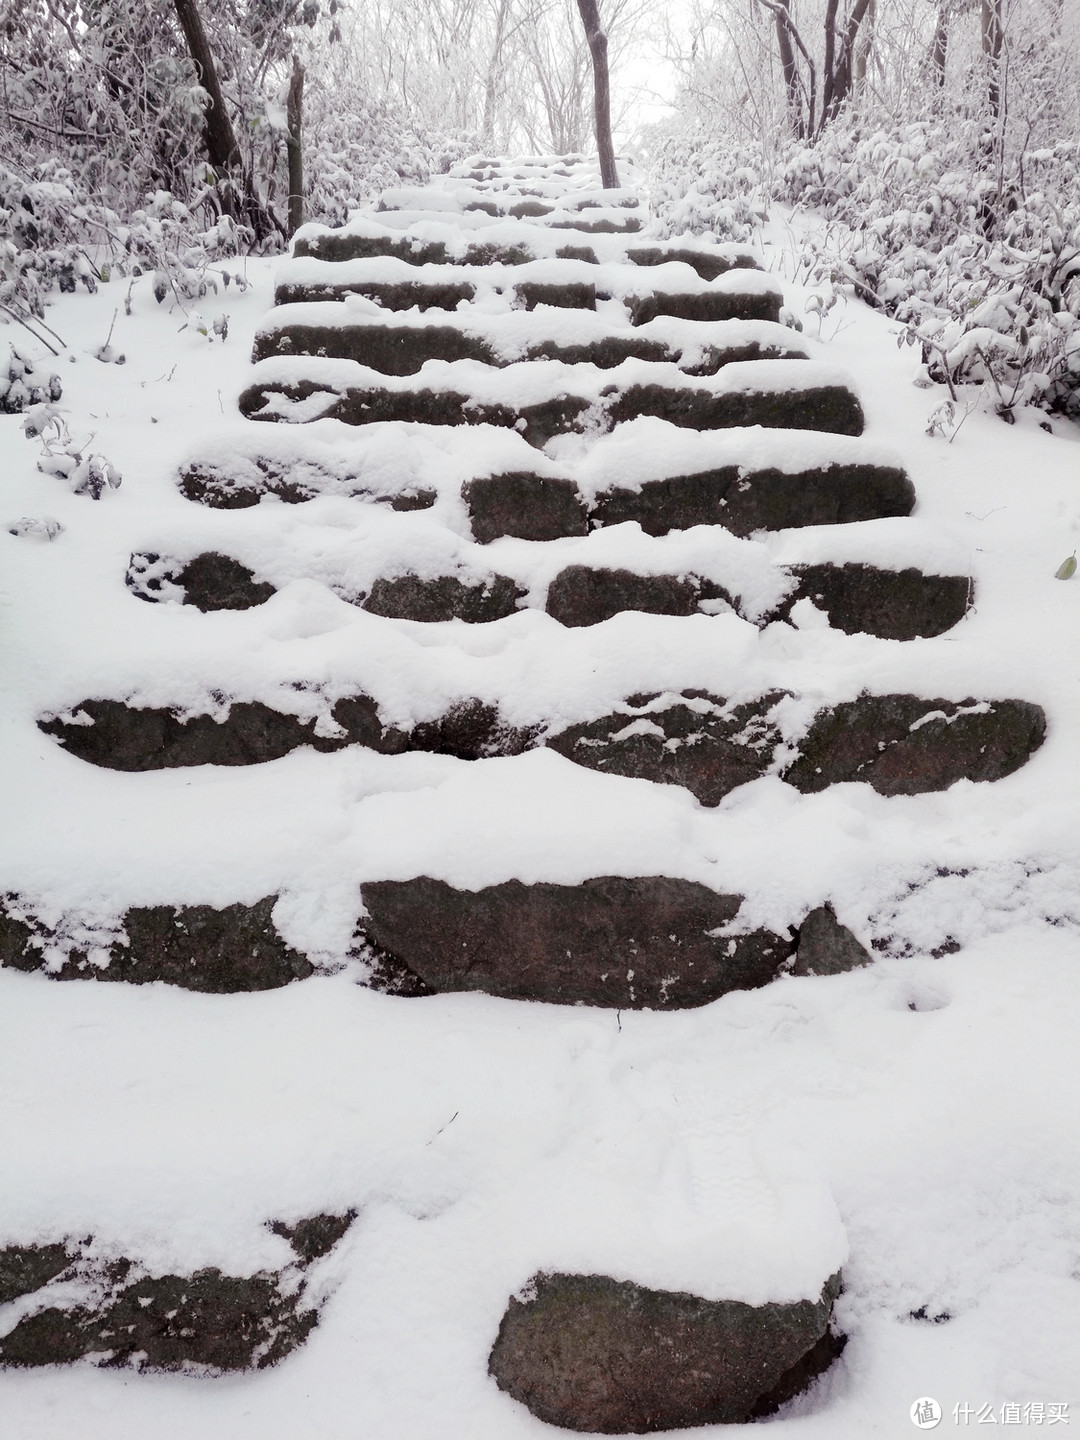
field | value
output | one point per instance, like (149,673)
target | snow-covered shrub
(23,384)
(983,271)
(87,472)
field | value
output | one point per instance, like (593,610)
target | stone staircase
(642,403)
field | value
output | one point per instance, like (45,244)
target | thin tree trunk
(590,15)
(863,47)
(294,115)
(788,66)
(780,10)
(828,79)
(991,44)
(940,51)
(836,86)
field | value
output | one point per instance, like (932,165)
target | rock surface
(210,581)
(608,1357)
(893,604)
(696,740)
(904,745)
(219,486)
(760,499)
(581,595)
(217,582)
(126,737)
(529,507)
(444,597)
(707,305)
(832,409)
(570,295)
(316,1236)
(217,951)
(825,947)
(645,943)
(709,266)
(389,294)
(205,1323)
(26,1268)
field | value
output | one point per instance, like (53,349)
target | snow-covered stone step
(543,401)
(642,942)
(898,744)
(645,943)
(592,1353)
(661,476)
(857,598)
(566,281)
(743,499)
(533,199)
(80,1301)
(614,220)
(569,167)
(401,344)
(464,198)
(505,242)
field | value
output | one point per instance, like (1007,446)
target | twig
(19,320)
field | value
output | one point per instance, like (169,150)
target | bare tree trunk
(786,28)
(836,85)
(940,50)
(590,15)
(991,44)
(788,66)
(294,118)
(221,147)
(487,124)
(828,79)
(222,151)
(863,47)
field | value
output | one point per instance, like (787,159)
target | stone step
(538,204)
(216,951)
(856,598)
(569,281)
(504,242)
(699,741)
(903,745)
(617,923)
(534,507)
(898,744)
(744,499)
(88,1304)
(542,401)
(402,345)
(596,1354)
(665,479)
(227,477)
(479,215)
(648,943)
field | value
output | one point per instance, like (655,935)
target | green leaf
(1067,569)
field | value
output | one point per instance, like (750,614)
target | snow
(910,1121)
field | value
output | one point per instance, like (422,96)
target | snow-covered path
(909,1121)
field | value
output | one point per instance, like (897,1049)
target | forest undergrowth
(980,266)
